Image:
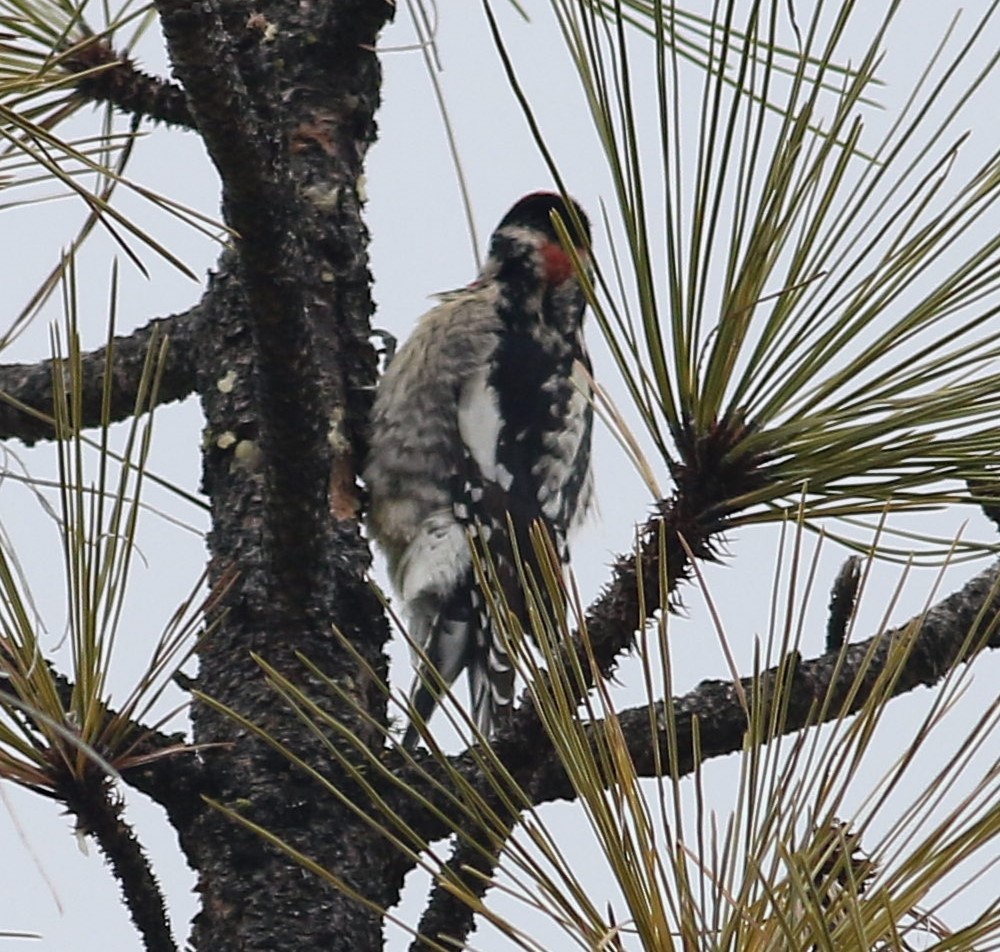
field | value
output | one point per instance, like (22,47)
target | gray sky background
(421,245)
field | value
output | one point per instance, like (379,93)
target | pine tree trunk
(284,97)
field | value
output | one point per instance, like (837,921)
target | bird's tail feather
(447,650)
(453,646)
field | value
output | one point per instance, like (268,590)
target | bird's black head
(526,247)
(534,211)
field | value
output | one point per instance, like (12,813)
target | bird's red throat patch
(558,264)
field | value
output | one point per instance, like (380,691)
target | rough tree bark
(284,97)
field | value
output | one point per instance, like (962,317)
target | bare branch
(448,914)
(28,387)
(114,78)
(170,773)
(956,629)
(988,493)
(98,812)
(843,602)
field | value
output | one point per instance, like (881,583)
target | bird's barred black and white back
(482,423)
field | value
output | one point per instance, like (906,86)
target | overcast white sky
(420,245)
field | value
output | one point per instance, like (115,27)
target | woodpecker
(482,424)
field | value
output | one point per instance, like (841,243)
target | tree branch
(98,814)
(843,603)
(89,795)
(161,766)
(686,526)
(956,629)
(26,389)
(114,78)
(988,493)
(447,916)
(169,772)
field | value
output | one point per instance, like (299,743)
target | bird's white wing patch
(479,425)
